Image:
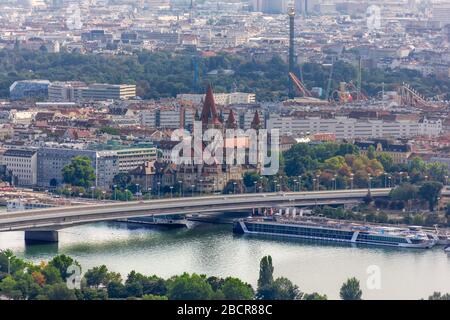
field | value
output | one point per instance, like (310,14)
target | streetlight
(181,188)
(314,184)
(234,187)
(9,265)
(295,182)
(192,190)
(275,185)
(255,182)
(115,192)
(159,189)
(171,193)
(351,180)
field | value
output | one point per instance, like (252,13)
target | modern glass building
(29,89)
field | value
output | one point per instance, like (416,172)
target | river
(214,250)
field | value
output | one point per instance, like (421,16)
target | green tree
(189,287)
(314,296)
(371,153)
(116,290)
(439,296)
(59,291)
(284,289)
(52,275)
(8,287)
(265,272)
(404,192)
(235,289)
(122,180)
(438,171)
(350,290)
(79,172)
(134,289)
(62,263)
(110,130)
(430,191)
(97,276)
(153,297)
(386,161)
(250,178)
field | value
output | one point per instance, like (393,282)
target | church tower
(210,118)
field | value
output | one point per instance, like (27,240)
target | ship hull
(241,227)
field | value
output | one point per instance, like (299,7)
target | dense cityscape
(171,149)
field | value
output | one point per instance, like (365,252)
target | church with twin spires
(208,178)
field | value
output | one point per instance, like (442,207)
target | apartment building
(223,99)
(167,118)
(343,127)
(51,161)
(129,159)
(22,164)
(76,91)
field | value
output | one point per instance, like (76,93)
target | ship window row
(323,233)
(381,238)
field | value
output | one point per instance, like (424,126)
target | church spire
(256,122)
(231,121)
(209,115)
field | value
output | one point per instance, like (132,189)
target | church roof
(209,112)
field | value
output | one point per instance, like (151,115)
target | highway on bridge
(51,219)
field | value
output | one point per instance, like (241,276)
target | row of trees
(20,279)
(165,74)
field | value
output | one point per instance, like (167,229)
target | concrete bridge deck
(49,220)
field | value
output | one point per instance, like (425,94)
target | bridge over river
(43,224)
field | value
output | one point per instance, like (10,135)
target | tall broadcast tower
(291,14)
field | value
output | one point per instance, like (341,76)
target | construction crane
(330,79)
(299,85)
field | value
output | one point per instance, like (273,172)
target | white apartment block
(23,165)
(430,128)
(223,99)
(343,127)
(130,159)
(167,118)
(75,91)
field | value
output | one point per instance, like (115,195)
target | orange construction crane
(300,87)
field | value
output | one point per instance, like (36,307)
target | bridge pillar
(40,236)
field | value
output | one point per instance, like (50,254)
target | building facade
(343,127)
(51,161)
(23,166)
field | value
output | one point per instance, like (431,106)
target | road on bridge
(63,217)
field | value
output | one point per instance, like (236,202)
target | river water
(214,250)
